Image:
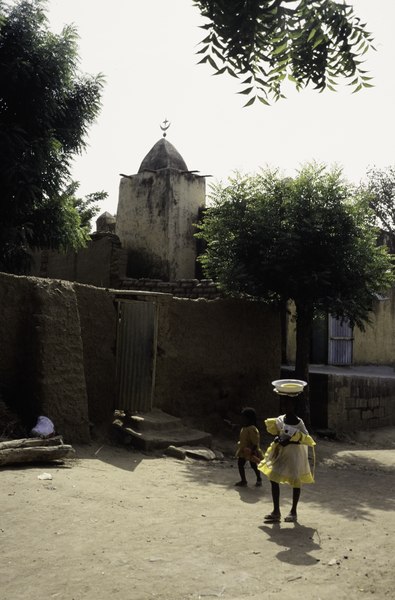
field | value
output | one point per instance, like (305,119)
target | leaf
(220,71)
(251,101)
(203,50)
(319,41)
(280,49)
(263,100)
(246,81)
(212,63)
(246,91)
(311,34)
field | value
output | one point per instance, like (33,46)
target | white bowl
(289,386)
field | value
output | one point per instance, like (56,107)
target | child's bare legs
(241,466)
(243,480)
(257,472)
(275,514)
(295,500)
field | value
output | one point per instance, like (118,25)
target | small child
(286,459)
(248,447)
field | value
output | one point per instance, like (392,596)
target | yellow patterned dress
(248,446)
(288,464)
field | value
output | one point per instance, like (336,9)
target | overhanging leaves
(308,39)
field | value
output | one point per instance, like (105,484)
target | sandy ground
(122,525)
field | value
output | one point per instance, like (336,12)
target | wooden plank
(30,442)
(10,456)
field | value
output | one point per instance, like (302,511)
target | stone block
(175,452)
(361,403)
(367,414)
(354,414)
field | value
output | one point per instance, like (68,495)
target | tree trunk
(304,325)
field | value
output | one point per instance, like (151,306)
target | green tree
(309,239)
(381,189)
(46,108)
(264,42)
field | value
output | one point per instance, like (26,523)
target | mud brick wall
(182,288)
(102,263)
(356,403)
(57,352)
(59,370)
(17,346)
(214,357)
(98,319)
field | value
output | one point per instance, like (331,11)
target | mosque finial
(165,126)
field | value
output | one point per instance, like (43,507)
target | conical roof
(163,155)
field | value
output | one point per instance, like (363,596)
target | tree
(381,189)
(46,107)
(309,239)
(264,42)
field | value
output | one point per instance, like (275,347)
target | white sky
(146,50)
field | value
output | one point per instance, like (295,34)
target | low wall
(214,357)
(356,403)
(182,288)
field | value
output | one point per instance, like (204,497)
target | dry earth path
(115,524)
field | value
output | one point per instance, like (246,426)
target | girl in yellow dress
(286,459)
(248,447)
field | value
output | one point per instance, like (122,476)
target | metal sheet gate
(340,342)
(136,355)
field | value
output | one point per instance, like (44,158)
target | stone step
(154,439)
(155,420)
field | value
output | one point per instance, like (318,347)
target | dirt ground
(118,524)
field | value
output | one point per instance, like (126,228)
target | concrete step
(158,430)
(155,440)
(155,420)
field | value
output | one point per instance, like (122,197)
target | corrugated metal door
(136,354)
(340,340)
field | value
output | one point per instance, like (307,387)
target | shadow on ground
(298,542)
(348,483)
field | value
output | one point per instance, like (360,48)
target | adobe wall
(17,345)
(41,358)
(58,342)
(57,352)
(98,319)
(102,263)
(59,369)
(214,357)
(356,403)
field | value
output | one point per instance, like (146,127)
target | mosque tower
(157,211)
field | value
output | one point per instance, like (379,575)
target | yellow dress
(248,445)
(288,464)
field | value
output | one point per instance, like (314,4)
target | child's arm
(302,438)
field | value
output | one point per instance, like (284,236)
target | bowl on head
(289,387)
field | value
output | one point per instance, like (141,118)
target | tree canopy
(46,108)
(381,189)
(264,42)
(309,239)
